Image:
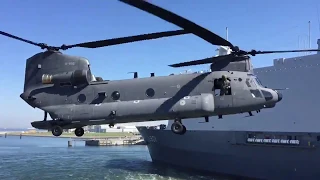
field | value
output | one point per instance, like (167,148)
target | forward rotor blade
(279,89)
(42,45)
(179,21)
(202,61)
(254,52)
(123,40)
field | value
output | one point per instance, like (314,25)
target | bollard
(20,136)
(69,143)
(5,135)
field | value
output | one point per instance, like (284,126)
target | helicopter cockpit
(262,91)
(258,82)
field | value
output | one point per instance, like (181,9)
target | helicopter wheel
(56,130)
(178,128)
(79,132)
(111,125)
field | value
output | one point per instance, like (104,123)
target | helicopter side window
(218,88)
(248,82)
(258,82)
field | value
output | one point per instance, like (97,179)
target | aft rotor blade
(253,52)
(202,61)
(179,21)
(42,45)
(123,40)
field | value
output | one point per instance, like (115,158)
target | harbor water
(46,158)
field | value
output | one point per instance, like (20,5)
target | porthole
(82,98)
(115,95)
(240,79)
(150,92)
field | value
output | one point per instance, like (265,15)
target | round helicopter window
(150,92)
(82,98)
(115,95)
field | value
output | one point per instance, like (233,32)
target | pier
(111,141)
(94,139)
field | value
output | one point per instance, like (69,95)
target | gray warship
(278,143)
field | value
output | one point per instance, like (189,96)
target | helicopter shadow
(140,166)
(185,90)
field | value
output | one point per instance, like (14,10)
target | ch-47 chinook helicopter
(63,86)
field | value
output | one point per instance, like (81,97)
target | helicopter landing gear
(111,125)
(56,130)
(79,132)
(177,127)
(45,116)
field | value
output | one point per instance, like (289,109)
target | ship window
(115,95)
(267,137)
(318,138)
(150,92)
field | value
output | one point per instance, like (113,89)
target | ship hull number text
(273,141)
(152,139)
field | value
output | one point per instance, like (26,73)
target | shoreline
(87,136)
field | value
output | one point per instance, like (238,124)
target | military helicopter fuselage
(63,86)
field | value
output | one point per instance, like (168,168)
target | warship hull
(278,143)
(215,152)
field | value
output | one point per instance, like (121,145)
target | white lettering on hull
(272,141)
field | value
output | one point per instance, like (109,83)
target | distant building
(97,128)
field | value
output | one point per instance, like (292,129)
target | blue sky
(260,25)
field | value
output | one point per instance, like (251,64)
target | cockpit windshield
(258,81)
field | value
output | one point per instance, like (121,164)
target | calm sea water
(42,158)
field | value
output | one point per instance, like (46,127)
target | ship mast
(309,35)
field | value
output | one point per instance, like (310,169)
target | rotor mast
(224,50)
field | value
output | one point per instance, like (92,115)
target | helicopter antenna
(135,74)
(318,18)
(309,35)
(227,33)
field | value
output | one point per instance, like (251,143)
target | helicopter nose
(271,95)
(279,96)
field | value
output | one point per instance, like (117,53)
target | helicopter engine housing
(76,77)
